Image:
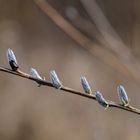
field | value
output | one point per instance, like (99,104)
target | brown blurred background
(28,112)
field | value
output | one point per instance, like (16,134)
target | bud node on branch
(56,83)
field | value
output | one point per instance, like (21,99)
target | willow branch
(68,90)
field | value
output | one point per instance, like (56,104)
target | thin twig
(100,52)
(69,90)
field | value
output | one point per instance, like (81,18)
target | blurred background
(98,39)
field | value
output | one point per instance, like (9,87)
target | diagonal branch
(112,38)
(68,90)
(126,67)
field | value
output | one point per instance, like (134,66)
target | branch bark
(68,90)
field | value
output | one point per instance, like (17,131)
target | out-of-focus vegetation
(28,112)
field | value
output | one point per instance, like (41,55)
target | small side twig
(69,90)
